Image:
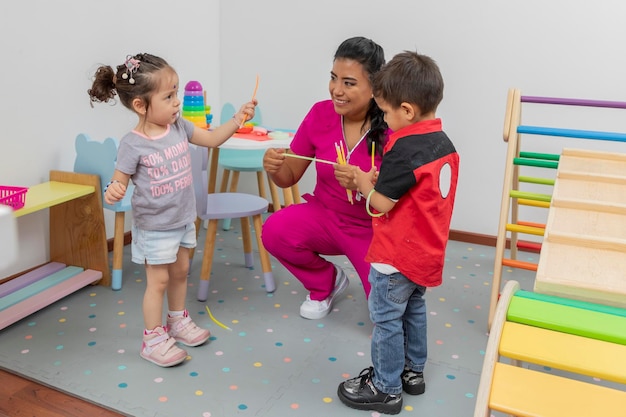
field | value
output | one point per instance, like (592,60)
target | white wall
(558,48)
(50,51)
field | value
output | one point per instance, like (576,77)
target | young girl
(155,155)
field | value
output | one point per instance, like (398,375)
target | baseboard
(457,235)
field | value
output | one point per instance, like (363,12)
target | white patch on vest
(445,179)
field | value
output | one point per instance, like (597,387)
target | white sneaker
(312,309)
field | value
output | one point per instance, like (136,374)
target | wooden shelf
(48,194)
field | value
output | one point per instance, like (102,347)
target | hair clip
(132,65)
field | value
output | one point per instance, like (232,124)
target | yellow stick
(324,161)
(342,160)
(373,151)
(223,326)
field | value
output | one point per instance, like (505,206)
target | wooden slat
(564,351)
(38,301)
(525,393)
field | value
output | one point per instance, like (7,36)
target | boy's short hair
(412,78)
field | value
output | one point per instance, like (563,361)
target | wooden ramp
(584,248)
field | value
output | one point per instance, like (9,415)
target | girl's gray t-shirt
(160,169)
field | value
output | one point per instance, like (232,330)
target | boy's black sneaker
(413,382)
(360,393)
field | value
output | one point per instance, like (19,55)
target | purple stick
(574,102)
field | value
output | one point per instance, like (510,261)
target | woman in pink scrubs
(328,223)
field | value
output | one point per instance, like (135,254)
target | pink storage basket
(14,197)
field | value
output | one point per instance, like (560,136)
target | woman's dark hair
(371,55)
(134,78)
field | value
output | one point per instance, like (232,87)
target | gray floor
(272,362)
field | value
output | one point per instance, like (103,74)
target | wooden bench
(533,334)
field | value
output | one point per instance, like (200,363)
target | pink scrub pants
(299,234)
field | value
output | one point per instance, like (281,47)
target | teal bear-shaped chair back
(93,157)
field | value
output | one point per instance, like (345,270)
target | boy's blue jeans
(398,311)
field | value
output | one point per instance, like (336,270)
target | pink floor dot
(439,342)
(219,353)
(233,387)
(163,399)
(92,329)
(294,406)
(28,337)
(120,301)
(122,325)
(287,360)
(270,330)
(63,308)
(158,380)
(25,351)
(121,351)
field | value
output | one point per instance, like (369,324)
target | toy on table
(194,108)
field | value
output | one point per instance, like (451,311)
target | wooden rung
(586,153)
(530,196)
(44,298)
(535,180)
(523,392)
(535,163)
(572,133)
(529,230)
(532,224)
(536,155)
(579,204)
(524,244)
(587,241)
(533,203)
(514,263)
(568,319)
(593,177)
(564,351)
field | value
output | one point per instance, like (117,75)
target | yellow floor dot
(327,400)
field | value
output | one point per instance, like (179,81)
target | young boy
(414,196)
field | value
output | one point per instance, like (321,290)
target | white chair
(226,205)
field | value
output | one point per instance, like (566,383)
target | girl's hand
(115,192)
(245,113)
(273,160)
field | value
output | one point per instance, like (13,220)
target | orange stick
(256,87)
